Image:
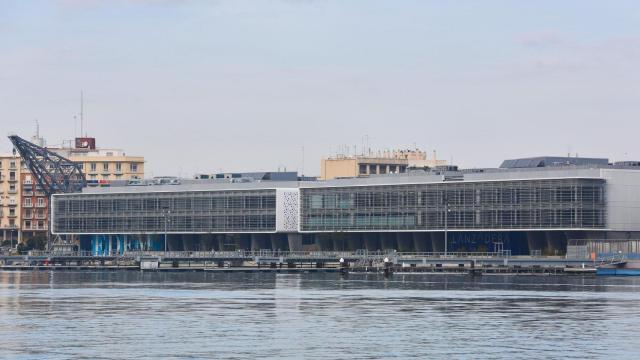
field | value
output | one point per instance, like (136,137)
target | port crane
(53,173)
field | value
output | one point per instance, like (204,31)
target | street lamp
(165,214)
(12,231)
(446,215)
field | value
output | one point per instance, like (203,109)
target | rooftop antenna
(82,114)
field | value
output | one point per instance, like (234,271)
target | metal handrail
(265,254)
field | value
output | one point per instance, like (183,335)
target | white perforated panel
(287,210)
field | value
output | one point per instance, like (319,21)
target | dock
(300,261)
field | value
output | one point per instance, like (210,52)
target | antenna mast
(82,114)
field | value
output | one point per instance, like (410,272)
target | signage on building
(86,143)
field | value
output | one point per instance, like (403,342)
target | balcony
(27,193)
(41,216)
(10,215)
(27,182)
(12,191)
(41,205)
(12,203)
(27,216)
(39,193)
(13,179)
(27,205)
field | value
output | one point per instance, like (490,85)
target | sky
(210,86)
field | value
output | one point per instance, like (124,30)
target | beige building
(107,164)
(10,198)
(103,164)
(382,162)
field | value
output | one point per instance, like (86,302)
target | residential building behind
(103,164)
(10,197)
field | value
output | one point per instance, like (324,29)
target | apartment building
(10,197)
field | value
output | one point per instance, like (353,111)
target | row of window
(385,198)
(11,164)
(37,225)
(172,223)
(40,202)
(506,219)
(178,202)
(133,167)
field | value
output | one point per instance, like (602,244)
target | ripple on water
(123,315)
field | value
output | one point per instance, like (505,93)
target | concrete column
(243,242)
(420,241)
(338,242)
(274,242)
(388,241)
(295,241)
(323,242)
(437,242)
(404,241)
(372,241)
(260,241)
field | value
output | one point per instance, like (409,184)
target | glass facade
(521,204)
(155,212)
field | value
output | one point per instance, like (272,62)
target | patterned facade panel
(522,204)
(287,210)
(173,212)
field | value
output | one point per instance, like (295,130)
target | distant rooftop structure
(547,161)
(255,176)
(395,161)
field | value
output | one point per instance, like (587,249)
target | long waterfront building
(524,210)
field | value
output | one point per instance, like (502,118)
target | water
(126,315)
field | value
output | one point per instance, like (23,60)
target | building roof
(545,161)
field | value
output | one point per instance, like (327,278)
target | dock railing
(278,254)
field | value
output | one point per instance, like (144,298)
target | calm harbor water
(133,315)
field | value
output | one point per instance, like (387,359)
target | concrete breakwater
(280,261)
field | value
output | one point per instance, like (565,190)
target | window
(12,176)
(40,225)
(93,166)
(81,166)
(27,202)
(12,223)
(118,167)
(105,166)
(40,202)
(40,214)
(27,224)
(12,187)
(12,212)
(134,167)
(12,165)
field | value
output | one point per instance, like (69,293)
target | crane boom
(53,172)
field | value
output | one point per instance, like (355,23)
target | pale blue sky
(243,85)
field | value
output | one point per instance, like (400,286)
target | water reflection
(122,315)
